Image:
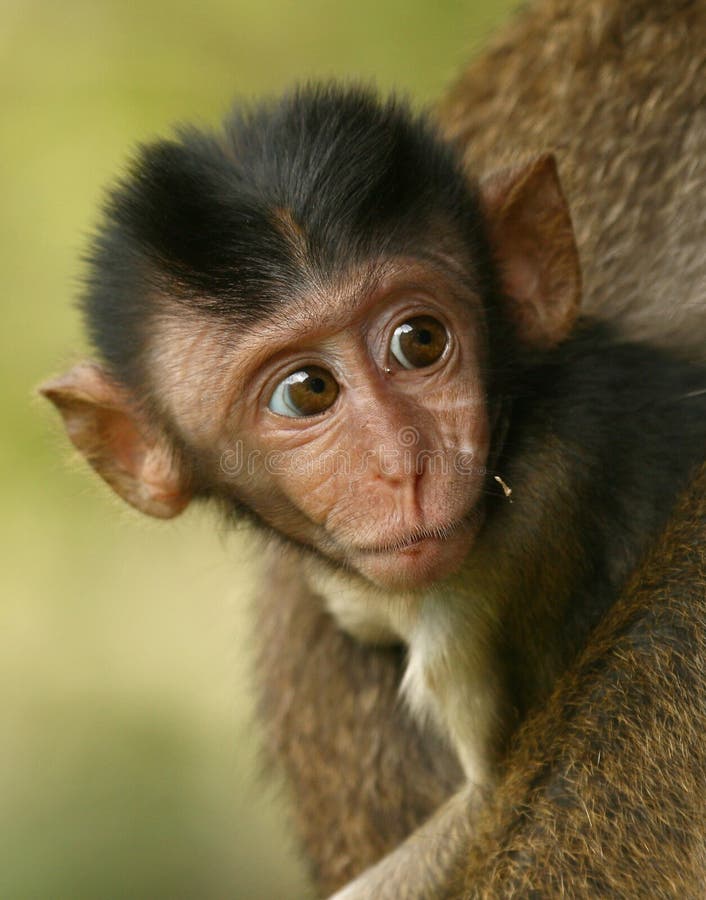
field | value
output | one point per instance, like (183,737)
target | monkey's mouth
(417,559)
(411,542)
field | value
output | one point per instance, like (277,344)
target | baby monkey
(317,318)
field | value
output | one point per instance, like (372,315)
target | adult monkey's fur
(604,791)
(616,89)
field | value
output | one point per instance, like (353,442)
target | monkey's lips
(400,546)
(416,560)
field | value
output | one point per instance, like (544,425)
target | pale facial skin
(383,468)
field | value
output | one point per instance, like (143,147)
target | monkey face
(355,423)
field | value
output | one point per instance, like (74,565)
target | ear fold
(105,428)
(533,241)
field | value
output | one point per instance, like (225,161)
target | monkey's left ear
(534,246)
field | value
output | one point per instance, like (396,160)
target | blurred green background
(128,754)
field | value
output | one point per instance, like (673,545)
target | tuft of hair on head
(233,222)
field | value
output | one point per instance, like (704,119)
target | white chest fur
(450,678)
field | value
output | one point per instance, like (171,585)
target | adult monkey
(604,792)
(617,89)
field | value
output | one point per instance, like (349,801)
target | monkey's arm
(605,788)
(430,863)
(362,774)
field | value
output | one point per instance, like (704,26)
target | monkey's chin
(418,566)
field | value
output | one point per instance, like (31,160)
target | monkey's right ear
(533,242)
(105,428)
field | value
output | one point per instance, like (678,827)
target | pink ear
(534,245)
(105,428)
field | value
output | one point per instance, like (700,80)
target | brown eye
(307,392)
(419,342)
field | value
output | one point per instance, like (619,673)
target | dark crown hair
(213,219)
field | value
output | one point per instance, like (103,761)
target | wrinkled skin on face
(386,479)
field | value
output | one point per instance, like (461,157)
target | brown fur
(293,233)
(615,87)
(604,790)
